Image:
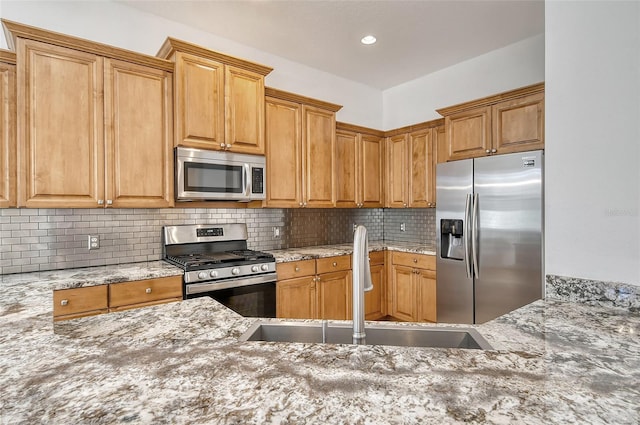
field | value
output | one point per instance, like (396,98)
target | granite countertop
(323,251)
(555,362)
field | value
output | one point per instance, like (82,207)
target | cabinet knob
(415,260)
(100,201)
(222,145)
(405,205)
(304,204)
(228,145)
(148,290)
(64,302)
(109,202)
(297,269)
(494,150)
(335,264)
(487,151)
(300,204)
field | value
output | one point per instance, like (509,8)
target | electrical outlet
(93,242)
(403,227)
(276,232)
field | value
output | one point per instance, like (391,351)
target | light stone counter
(323,251)
(181,363)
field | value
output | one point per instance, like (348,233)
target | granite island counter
(555,362)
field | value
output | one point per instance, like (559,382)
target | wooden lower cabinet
(92,300)
(334,295)
(296,298)
(141,293)
(412,290)
(80,302)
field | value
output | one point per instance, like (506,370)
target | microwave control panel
(257,180)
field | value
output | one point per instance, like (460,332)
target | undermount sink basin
(378,334)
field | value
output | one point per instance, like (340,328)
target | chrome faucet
(361,281)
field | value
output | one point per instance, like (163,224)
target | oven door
(253,296)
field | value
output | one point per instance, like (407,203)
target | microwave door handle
(246,182)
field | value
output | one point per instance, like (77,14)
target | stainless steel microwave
(203,175)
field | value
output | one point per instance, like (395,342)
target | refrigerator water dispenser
(452,245)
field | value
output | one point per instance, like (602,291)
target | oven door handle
(198,288)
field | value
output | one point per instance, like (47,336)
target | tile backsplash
(46,239)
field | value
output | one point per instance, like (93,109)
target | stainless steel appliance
(489,237)
(218,264)
(219,175)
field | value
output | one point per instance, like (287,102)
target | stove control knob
(213,273)
(202,275)
(255,269)
(264,267)
(235,271)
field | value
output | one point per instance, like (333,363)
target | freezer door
(509,194)
(454,293)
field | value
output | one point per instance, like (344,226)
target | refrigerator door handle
(474,237)
(466,230)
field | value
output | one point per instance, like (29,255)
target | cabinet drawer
(74,302)
(333,264)
(419,261)
(296,269)
(376,257)
(144,291)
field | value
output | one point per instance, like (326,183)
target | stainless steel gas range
(217,263)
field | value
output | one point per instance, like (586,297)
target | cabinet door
(244,110)
(518,125)
(7,135)
(199,113)
(334,295)
(60,122)
(398,147)
(440,143)
(284,156)
(296,298)
(403,293)
(374,300)
(346,169)
(318,149)
(370,171)
(420,165)
(139,135)
(468,133)
(426,282)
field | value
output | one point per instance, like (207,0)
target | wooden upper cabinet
(95,123)
(346,169)
(421,163)
(244,110)
(219,99)
(7,129)
(318,149)
(60,120)
(518,124)
(359,167)
(508,122)
(411,158)
(440,144)
(139,164)
(199,90)
(284,153)
(397,183)
(301,139)
(468,134)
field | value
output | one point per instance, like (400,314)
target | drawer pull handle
(297,269)
(148,290)
(64,302)
(335,264)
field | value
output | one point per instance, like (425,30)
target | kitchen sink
(378,334)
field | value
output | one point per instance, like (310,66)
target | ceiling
(415,38)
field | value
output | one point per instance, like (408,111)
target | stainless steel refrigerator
(489,239)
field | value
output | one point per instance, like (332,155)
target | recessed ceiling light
(368,39)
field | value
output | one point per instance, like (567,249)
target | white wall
(593,140)
(517,65)
(118,25)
